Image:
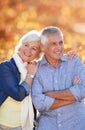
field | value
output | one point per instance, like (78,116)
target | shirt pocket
(69,79)
(47,85)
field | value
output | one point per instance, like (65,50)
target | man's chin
(58,57)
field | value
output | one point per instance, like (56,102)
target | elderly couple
(56,84)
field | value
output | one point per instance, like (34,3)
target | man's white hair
(49,31)
(28,37)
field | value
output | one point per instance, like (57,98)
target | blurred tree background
(19,16)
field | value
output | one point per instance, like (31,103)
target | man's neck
(53,62)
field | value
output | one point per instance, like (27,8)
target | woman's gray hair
(49,31)
(28,37)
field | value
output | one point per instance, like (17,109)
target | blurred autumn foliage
(19,16)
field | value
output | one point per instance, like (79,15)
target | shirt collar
(64,58)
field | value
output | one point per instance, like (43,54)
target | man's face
(53,49)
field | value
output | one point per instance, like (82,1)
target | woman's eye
(25,45)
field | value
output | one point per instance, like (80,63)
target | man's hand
(51,94)
(62,98)
(61,94)
(59,103)
(76,80)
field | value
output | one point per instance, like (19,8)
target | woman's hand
(72,54)
(32,67)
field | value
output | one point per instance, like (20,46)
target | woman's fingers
(72,54)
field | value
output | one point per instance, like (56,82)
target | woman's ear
(42,48)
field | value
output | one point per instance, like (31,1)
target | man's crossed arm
(63,97)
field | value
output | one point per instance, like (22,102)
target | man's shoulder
(75,59)
(76,62)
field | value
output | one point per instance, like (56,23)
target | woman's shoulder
(8,65)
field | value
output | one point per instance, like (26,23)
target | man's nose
(58,47)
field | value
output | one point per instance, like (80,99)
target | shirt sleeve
(78,90)
(27,87)
(41,102)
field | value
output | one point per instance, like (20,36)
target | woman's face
(29,51)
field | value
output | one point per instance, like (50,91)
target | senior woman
(16,75)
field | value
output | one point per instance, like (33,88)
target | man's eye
(34,49)
(54,43)
(61,43)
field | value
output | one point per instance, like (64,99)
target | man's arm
(62,98)
(59,103)
(64,94)
(46,101)
(61,94)
(40,100)
(72,94)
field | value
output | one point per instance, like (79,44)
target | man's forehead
(55,37)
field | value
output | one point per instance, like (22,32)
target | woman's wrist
(30,75)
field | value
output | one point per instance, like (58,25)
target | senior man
(57,92)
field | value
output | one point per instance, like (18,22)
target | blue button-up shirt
(49,78)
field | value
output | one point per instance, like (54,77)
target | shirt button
(61,67)
(55,81)
(59,114)
(64,75)
(59,125)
